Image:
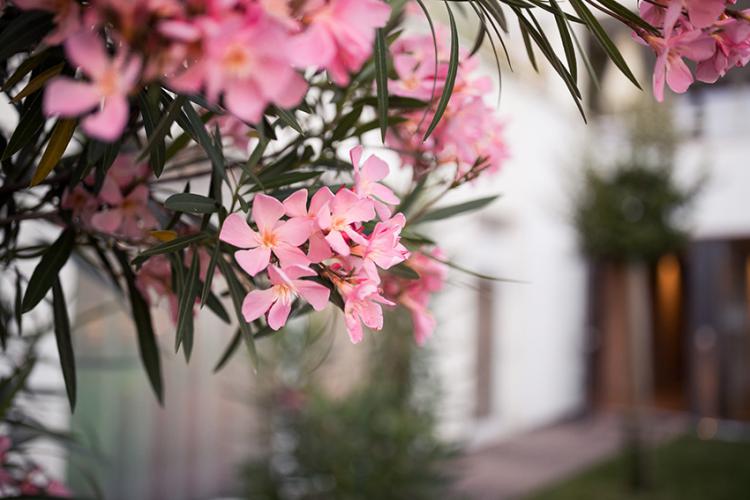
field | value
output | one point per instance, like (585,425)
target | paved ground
(522,464)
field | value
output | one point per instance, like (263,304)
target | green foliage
(685,469)
(631,215)
(631,210)
(378,441)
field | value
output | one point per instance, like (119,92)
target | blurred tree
(377,442)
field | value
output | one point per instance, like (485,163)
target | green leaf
(450,77)
(26,30)
(230,350)
(58,142)
(192,123)
(185,307)
(210,271)
(381,79)
(601,36)
(147,346)
(287,118)
(156,129)
(169,246)
(47,270)
(28,128)
(38,81)
(64,343)
(453,210)
(191,203)
(26,67)
(404,271)
(237,293)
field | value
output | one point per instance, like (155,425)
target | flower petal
(108,123)
(279,313)
(315,293)
(266,211)
(253,261)
(256,304)
(237,232)
(67,97)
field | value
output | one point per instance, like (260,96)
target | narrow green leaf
(381,79)
(191,203)
(185,307)
(169,247)
(229,351)
(148,101)
(28,128)
(601,36)
(237,293)
(210,271)
(450,77)
(38,82)
(47,270)
(25,31)
(453,210)
(147,346)
(64,342)
(287,118)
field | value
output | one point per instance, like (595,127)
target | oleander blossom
(415,294)
(240,55)
(702,31)
(342,234)
(104,95)
(469,137)
(120,207)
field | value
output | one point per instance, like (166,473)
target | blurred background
(609,360)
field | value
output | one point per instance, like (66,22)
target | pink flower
(366,185)
(282,238)
(362,304)
(296,208)
(337,218)
(245,58)
(670,67)
(415,295)
(278,299)
(106,93)
(340,35)
(383,248)
(702,13)
(127,215)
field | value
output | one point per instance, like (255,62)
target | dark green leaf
(381,79)
(147,346)
(450,77)
(237,293)
(191,203)
(28,127)
(47,270)
(148,101)
(169,246)
(186,305)
(25,31)
(453,210)
(64,343)
(229,351)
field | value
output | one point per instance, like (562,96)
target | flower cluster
(242,54)
(415,294)
(703,31)
(21,477)
(343,238)
(469,135)
(120,207)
